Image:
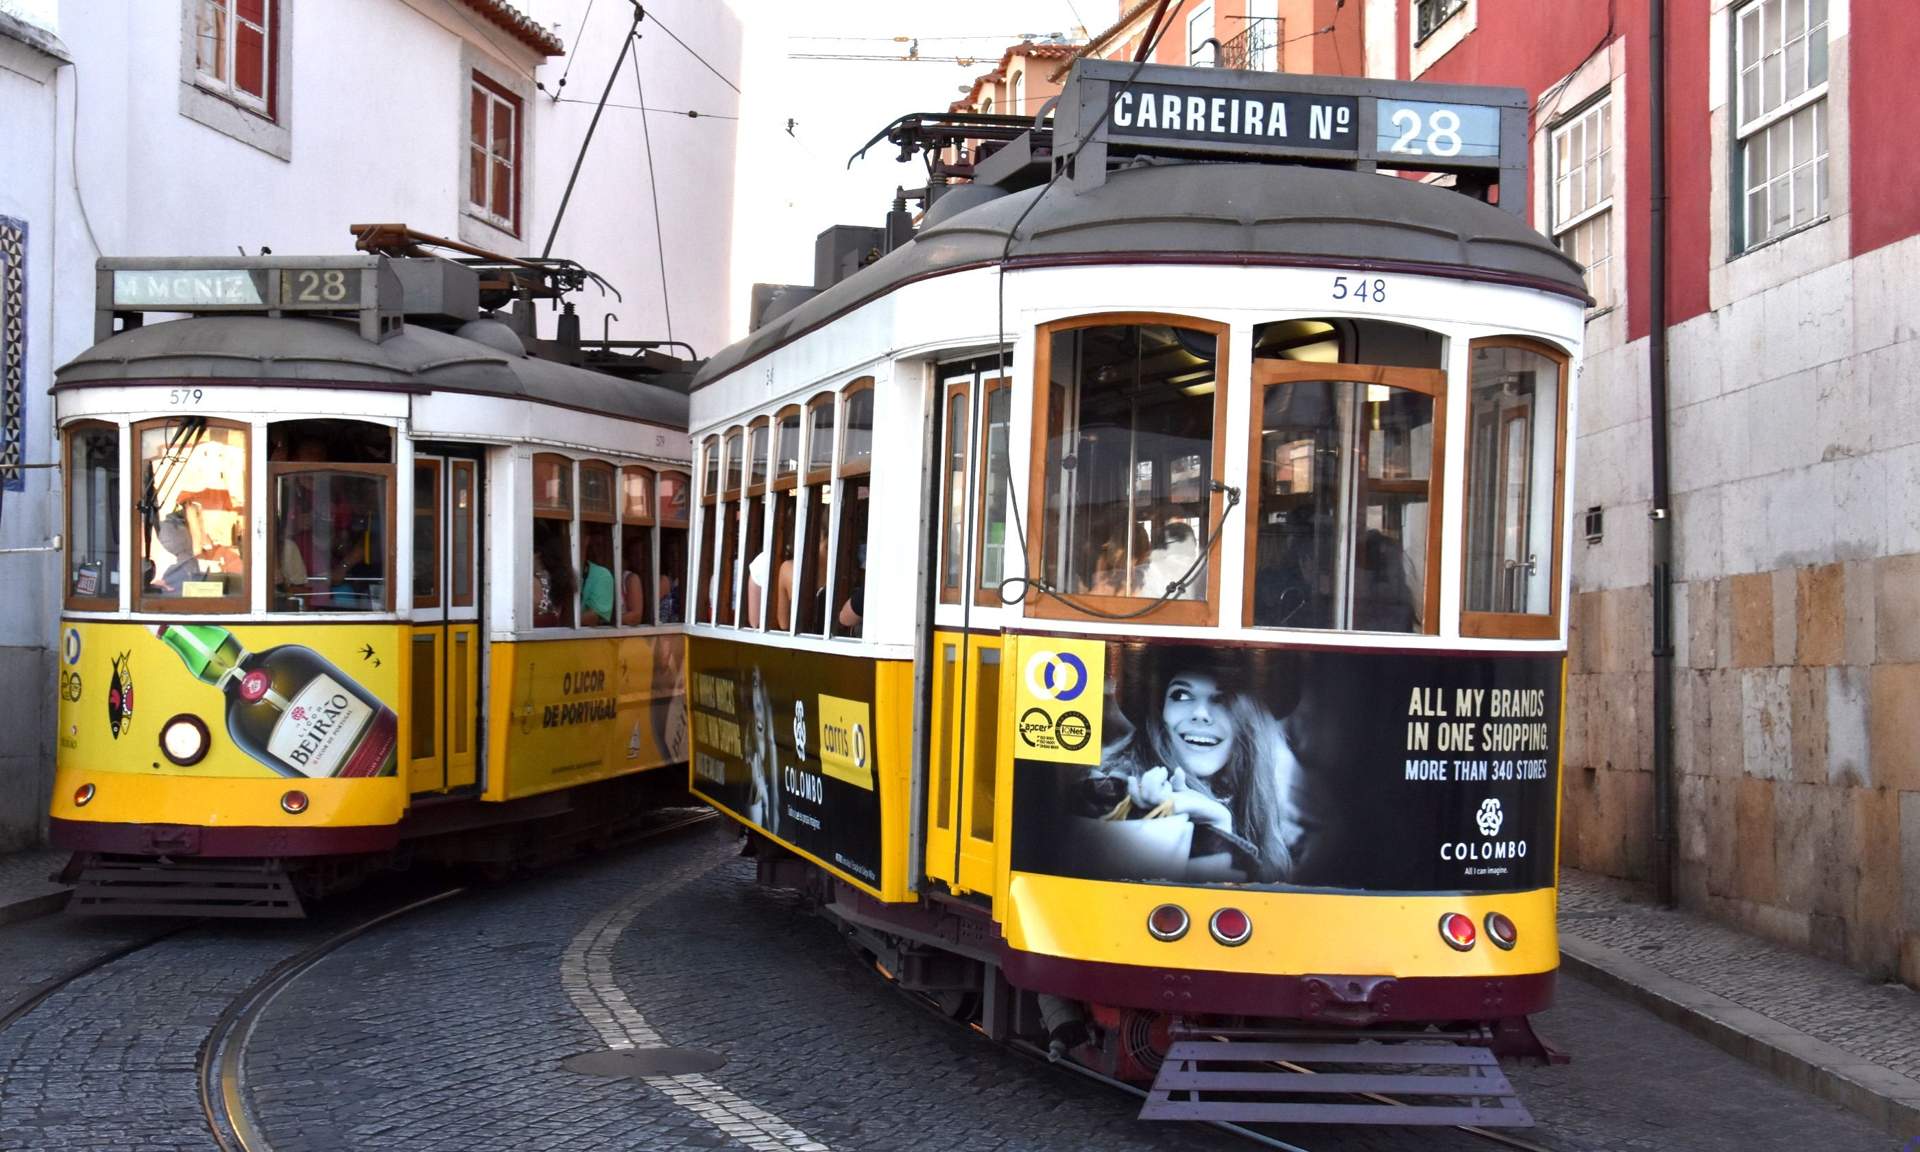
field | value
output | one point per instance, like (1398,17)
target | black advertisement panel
(1354,770)
(785,740)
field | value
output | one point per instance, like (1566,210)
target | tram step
(146,888)
(1300,1081)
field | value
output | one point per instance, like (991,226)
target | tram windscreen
(193,506)
(1129,460)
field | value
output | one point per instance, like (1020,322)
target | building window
(1201,45)
(233,50)
(1583,196)
(493,154)
(1429,15)
(1781,110)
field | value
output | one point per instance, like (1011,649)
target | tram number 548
(1360,288)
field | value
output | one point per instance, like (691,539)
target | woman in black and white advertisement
(1197,780)
(762,756)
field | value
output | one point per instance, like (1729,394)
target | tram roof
(1231,213)
(322,352)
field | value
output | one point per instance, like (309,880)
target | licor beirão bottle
(288,707)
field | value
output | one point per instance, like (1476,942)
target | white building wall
(372,129)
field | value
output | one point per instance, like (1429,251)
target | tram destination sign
(1122,109)
(269,284)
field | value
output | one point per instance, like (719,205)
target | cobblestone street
(447,1029)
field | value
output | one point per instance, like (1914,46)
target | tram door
(444,707)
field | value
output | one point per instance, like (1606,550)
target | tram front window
(329,481)
(1130,450)
(192,506)
(1343,504)
(1513,479)
(94,506)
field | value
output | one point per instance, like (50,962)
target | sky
(793,184)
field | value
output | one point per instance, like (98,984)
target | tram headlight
(294,802)
(1458,931)
(1231,927)
(1501,931)
(1168,922)
(83,795)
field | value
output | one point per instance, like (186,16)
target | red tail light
(1230,926)
(294,803)
(1457,931)
(1501,931)
(82,795)
(1167,922)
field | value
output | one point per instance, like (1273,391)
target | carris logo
(1058,676)
(1489,818)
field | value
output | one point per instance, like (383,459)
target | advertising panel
(587,709)
(1355,770)
(785,741)
(187,699)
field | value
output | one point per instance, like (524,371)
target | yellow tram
(1134,603)
(353,574)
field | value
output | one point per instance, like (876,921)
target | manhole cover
(627,1063)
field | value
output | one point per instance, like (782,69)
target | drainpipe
(1662,512)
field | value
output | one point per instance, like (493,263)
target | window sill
(472,222)
(1778,237)
(229,118)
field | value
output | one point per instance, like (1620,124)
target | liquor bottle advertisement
(190,698)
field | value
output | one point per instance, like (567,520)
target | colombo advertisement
(785,741)
(1352,770)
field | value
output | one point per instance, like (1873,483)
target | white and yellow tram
(1136,603)
(347,571)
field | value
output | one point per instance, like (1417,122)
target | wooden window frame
(1520,625)
(732,463)
(612,473)
(961,387)
(733,472)
(440,475)
(821,475)
(1204,612)
(759,425)
(494,91)
(785,482)
(553,512)
(842,467)
(194,606)
(465,559)
(649,517)
(705,548)
(277,469)
(1431,382)
(267,104)
(91,603)
(984,597)
(661,517)
(710,449)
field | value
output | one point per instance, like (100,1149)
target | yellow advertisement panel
(846,740)
(1058,701)
(569,711)
(193,699)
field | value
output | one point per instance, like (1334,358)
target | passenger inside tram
(596,587)
(553,580)
(329,480)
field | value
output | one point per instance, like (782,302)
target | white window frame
(227,13)
(1599,209)
(1749,128)
(495,103)
(1454,8)
(1204,11)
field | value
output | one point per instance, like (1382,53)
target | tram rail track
(221,1062)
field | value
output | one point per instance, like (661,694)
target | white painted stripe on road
(586,972)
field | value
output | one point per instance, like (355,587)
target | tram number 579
(1360,288)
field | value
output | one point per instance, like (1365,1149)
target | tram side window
(636,544)
(850,564)
(554,579)
(674,492)
(709,502)
(1515,416)
(819,512)
(330,482)
(759,564)
(1131,412)
(597,525)
(732,469)
(93,517)
(192,506)
(953,532)
(786,479)
(1344,459)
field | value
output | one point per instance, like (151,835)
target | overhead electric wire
(689,113)
(703,60)
(653,190)
(573,52)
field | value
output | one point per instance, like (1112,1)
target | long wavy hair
(1258,784)
(760,747)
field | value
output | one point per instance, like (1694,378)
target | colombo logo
(1058,676)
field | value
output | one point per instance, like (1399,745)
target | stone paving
(1875,1021)
(26,879)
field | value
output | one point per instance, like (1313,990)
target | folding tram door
(445,705)
(966,699)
